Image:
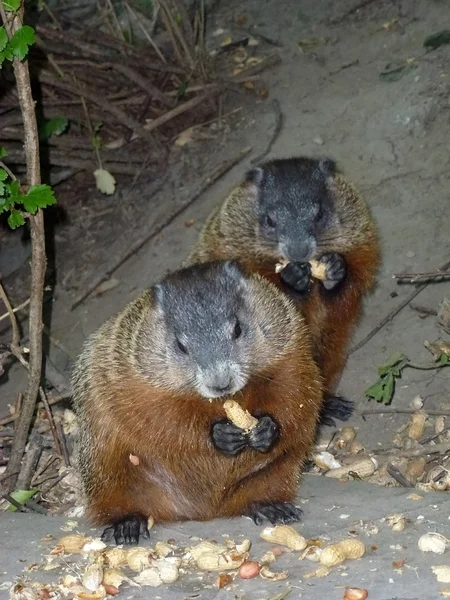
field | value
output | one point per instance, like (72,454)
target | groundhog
(149,388)
(294,210)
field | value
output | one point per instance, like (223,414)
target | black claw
(274,512)
(228,438)
(264,435)
(297,276)
(127,531)
(335,271)
(337,407)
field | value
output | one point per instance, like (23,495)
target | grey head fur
(207,329)
(294,205)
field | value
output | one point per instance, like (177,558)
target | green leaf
(11,5)
(3,38)
(394,73)
(182,89)
(3,176)
(444,359)
(3,152)
(376,391)
(16,219)
(6,54)
(435,40)
(21,41)
(96,142)
(97,124)
(22,497)
(38,196)
(392,361)
(55,126)
(389,389)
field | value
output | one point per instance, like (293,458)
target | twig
(52,484)
(351,11)
(207,183)
(15,328)
(430,449)
(276,132)
(145,32)
(51,401)
(415,277)
(398,476)
(35,448)
(51,421)
(400,411)
(16,309)
(178,110)
(432,437)
(120,115)
(62,437)
(425,310)
(38,257)
(10,173)
(393,313)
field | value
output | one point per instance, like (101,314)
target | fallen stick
(414,277)
(207,183)
(30,463)
(401,411)
(51,400)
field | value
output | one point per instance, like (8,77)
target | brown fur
(232,232)
(181,475)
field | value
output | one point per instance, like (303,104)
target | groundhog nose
(222,389)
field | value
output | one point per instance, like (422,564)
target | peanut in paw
(318,270)
(240,417)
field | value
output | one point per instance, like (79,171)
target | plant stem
(38,257)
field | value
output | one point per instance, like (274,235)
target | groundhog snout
(299,250)
(220,379)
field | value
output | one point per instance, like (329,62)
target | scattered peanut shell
(321,571)
(111,590)
(266,573)
(205,547)
(138,559)
(115,577)
(442,573)
(74,543)
(338,553)
(356,447)
(355,594)
(284,535)
(312,553)
(397,521)
(417,403)
(211,561)
(92,577)
(249,569)
(163,549)
(168,571)
(116,557)
(326,461)
(240,417)
(97,595)
(415,469)
(149,577)
(267,558)
(363,468)
(95,545)
(346,436)
(439,425)
(417,425)
(433,542)
(224,579)
(243,546)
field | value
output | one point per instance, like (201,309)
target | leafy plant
(383,390)
(50,127)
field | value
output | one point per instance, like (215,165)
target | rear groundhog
(294,210)
(150,384)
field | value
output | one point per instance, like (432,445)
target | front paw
(297,276)
(264,435)
(227,438)
(335,269)
(335,407)
(127,531)
(274,512)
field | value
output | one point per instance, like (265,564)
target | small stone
(318,140)
(410,254)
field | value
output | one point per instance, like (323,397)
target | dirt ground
(390,138)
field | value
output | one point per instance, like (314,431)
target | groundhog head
(294,206)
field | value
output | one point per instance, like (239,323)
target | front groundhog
(150,385)
(294,210)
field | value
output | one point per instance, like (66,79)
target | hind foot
(336,407)
(274,512)
(127,531)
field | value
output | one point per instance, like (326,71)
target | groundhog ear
(327,166)
(255,176)
(158,295)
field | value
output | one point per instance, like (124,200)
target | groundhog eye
(237,330)
(270,222)
(182,347)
